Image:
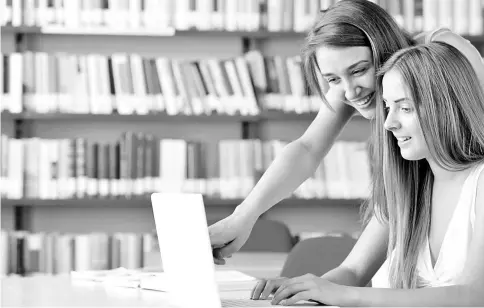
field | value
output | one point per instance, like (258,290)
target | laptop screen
(185,248)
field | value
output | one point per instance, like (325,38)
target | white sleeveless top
(455,245)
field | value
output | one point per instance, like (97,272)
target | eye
(359,71)
(332,80)
(406,109)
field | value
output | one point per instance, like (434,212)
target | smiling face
(401,117)
(350,75)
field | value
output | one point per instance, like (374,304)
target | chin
(368,113)
(410,156)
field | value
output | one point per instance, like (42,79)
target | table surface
(62,291)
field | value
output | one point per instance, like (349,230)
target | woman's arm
(365,258)
(298,161)
(342,286)
(291,167)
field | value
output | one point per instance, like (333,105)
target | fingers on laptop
(218,258)
(218,261)
(219,253)
(227,250)
(265,288)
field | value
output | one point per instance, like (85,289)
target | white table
(260,265)
(61,291)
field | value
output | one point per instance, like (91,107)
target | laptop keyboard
(233,303)
(247,303)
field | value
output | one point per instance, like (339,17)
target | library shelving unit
(250,126)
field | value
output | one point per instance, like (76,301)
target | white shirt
(455,245)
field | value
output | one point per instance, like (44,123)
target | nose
(391,122)
(352,91)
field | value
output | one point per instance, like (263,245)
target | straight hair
(449,105)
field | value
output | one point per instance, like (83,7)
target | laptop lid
(181,226)
(185,249)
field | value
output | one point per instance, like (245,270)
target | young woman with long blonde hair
(427,224)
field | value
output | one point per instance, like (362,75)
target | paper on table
(120,277)
(227,280)
(102,275)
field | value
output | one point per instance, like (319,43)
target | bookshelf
(120,214)
(26,123)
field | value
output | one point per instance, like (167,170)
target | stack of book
(138,164)
(27,253)
(39,82)
(463,16)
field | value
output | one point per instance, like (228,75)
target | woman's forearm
(290,169)
(298,161)
(343,276)
(461,295)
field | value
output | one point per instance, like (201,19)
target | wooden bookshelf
(145,202)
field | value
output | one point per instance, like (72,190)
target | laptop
(182,230)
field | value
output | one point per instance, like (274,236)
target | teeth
(363,102)
(403,139)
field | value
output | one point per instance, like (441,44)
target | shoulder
(444,35)
(480,176)
(428,36)
(480,193)
(447,36)
(463,45)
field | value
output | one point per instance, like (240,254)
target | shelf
(21,29)
(261,34)
(162,117)
(284,116)
(248,34)
(107,31)
(129,117)
(265,115)
(53,30)
(99,202)
(89,31)
(145,202)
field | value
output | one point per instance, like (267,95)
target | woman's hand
(229,235)
(310,288)
(266,287)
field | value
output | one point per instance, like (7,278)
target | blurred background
(106,101)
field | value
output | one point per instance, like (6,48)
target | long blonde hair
(449,103)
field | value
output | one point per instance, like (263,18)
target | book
(226,280)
